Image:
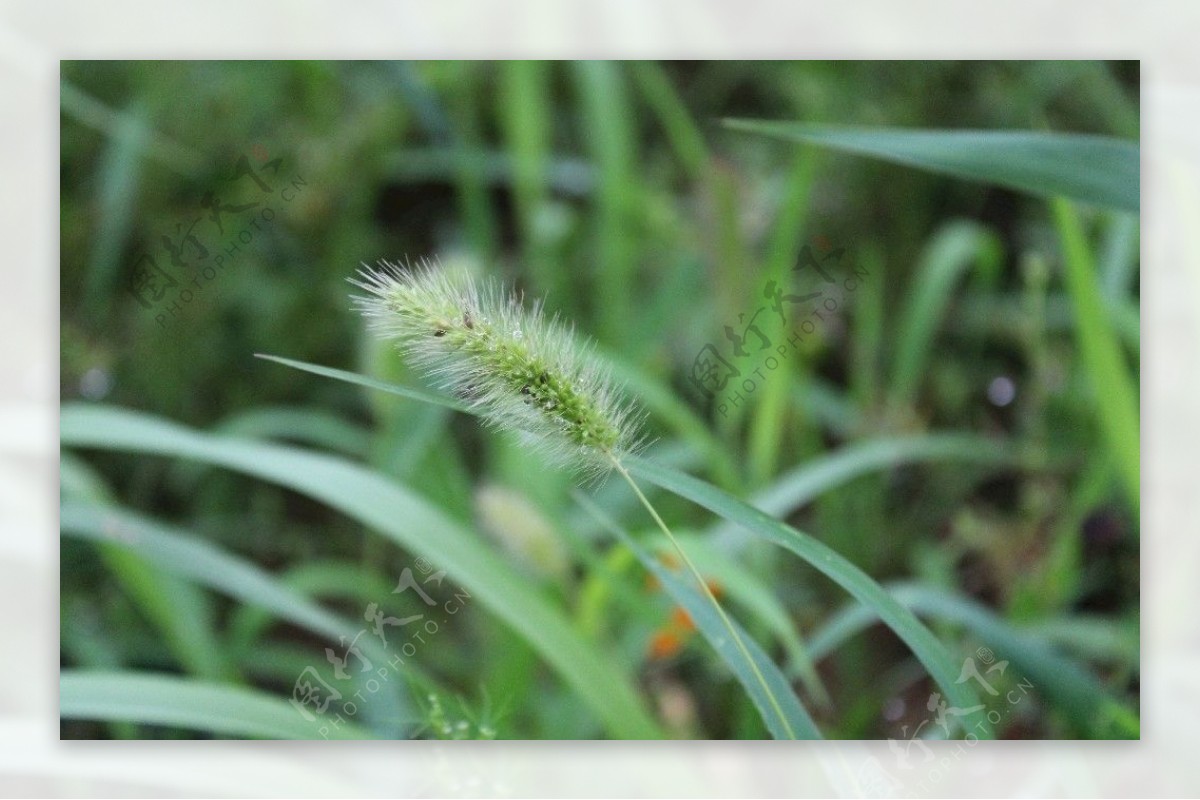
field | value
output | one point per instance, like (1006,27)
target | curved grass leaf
(196,705)
(619,496)
(370,383)
(953,251)
(1068,686)
(657,399)
(303,425)
(744,587)
(780,709)
(1091,638)
(201,562)
(181,556)
(311,579)
(924,644)
(1100,170)
(403,517)
(808,481)
(182,615)
(903,623)
(1113,388)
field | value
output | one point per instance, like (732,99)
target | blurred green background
(945,428)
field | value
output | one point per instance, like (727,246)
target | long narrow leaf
(1067,685)
(780,709)
(957,247)
(407,519)
(1092,169)
(370,383)
(903,623)
(1113,387)
(168,700)
(183,557)
(748,589)
(806,482)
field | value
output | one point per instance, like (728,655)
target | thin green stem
(737,639)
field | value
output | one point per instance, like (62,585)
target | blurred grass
(966,422)
(1112,385)
(388,508)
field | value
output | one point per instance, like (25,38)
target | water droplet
(894,709)
(95,384)
(1001,391)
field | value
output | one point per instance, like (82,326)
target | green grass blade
(370,383)
(182,614)
(608,128)
(406,519)
(768,423)
(781,711)
(808,481)
(527,119)
(954,250)
(309,426)
(310,579)
(200,562)
(1091,638)
(1099,170)
(744,587)
(1113,388)
(658,400)
(903,623)
(1119,258)
(196,705)
(184,557)
(1061,680)
(118,182)
(673,115)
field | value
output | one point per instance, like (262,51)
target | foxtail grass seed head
(517,369)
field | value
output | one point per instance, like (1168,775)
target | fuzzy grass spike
(519,371)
